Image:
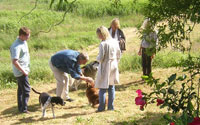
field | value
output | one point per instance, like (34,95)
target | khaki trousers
(63,80)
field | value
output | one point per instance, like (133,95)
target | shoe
(26,111)
(69,100)
(97,111)
(110,109)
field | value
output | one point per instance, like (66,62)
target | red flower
(139,101)
(196,121)
(139,92)
(159,102)
(172,123)
(142,107)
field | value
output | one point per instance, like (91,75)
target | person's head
(147,24)
(103,33)
(24,33)
(83,58)
(115,24)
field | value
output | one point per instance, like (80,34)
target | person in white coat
(108,72)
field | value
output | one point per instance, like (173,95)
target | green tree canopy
(175,19)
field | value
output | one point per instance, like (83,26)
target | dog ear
(87,84)
(96,62)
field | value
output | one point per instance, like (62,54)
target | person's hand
(25,73)
(90,80)
(152,56)
(140,53)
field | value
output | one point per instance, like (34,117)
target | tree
(175,19)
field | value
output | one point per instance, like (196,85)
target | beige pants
(63,80)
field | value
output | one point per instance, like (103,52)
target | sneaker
(69,100)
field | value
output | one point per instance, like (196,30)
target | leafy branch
(36,3)
(70,7)
(62,20)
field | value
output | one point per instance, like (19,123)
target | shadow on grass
(149,118)
(82,86)
(75,107)
(32,120)
(123,87)
(13,111)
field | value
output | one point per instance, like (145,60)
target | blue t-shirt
(19,50)
(66,61)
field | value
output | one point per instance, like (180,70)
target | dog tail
(35,91)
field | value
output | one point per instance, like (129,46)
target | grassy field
(78,32)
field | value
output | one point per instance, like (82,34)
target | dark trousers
(23,93)
(146,62)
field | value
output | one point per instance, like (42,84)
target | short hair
(83,56)
(116,23)
(24,31)
(104,32)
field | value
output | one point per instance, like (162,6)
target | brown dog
(93,95)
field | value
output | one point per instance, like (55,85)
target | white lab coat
(108,57)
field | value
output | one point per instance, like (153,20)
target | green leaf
(163,91)
(190,106)
(172,78)
(145,77)
(181,78)
(171,91)
(167,117)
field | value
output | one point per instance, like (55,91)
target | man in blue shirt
(67,62)
(21,68)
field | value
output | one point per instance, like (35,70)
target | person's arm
(17,65)
(118,54)
(77,76)
(140,51)
(122,36)
(155,37)
(100,56)
(78,68)
(87,79)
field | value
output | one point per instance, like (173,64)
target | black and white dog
(88,70)
(46,100)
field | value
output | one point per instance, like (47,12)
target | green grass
(77,32)
(163,59)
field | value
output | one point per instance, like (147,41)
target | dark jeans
(146,62)
(23,93)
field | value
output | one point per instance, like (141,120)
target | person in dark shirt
(64,63)
(117,34)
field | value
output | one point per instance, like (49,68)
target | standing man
(21,68)
(67,62)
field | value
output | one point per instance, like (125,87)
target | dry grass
(79,112)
